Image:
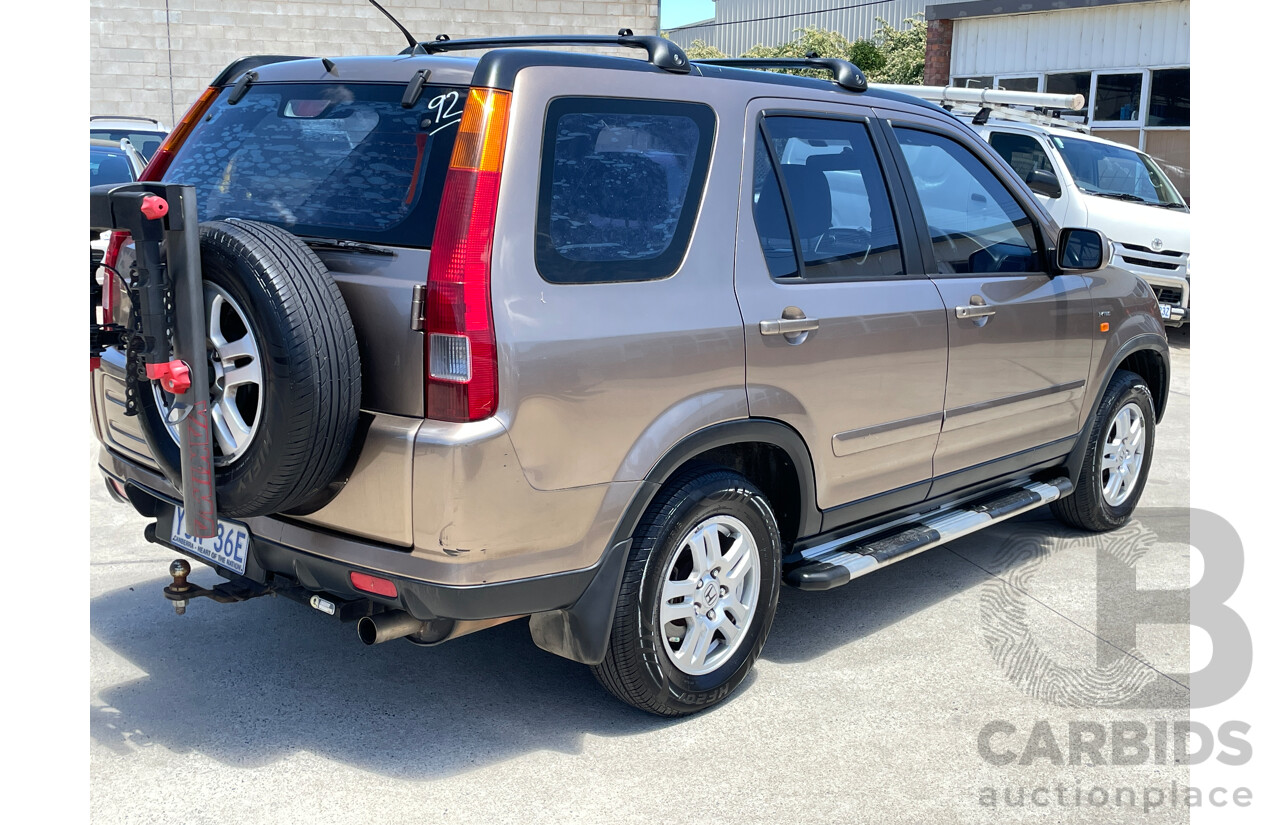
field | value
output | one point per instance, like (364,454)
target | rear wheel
(698,595)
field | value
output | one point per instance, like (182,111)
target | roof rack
(982,104)
(662,52)
(846,75)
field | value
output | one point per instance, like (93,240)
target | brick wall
(937,53)
(152,58)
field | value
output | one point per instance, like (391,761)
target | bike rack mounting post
(168,288)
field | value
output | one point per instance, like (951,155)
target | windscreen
(108,166)
(325,160)
(1115,171)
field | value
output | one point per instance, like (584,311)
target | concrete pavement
(871,703)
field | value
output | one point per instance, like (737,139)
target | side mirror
(1083,250)
(1044,182)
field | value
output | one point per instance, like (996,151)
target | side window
(772,226)
(620,186)
(1023,152)
(837,203)
(975,223)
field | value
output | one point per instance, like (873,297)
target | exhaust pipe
(374,630)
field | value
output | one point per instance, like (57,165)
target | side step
(839,562)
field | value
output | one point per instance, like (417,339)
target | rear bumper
(326,566)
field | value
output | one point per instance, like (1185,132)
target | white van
(1090,182)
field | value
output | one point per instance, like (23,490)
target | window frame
(565,272)
(986,155)
(904,223)
(1144,94)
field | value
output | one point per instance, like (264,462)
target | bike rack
(168,343)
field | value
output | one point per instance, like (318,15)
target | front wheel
(1116,460)
(698,595)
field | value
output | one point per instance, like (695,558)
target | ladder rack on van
(981,104)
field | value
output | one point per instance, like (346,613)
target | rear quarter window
(620,185)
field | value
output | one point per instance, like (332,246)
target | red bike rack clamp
(174,376)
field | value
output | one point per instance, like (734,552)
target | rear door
(1020,337)
(845,335)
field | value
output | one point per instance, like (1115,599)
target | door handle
(975,311)
(788,326)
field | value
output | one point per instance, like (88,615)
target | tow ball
(181,591)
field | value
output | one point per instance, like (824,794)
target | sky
(679,12)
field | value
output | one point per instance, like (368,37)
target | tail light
(155,169)
(159,163)
(461,350)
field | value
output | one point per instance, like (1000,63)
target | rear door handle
(788,326)
(975,311)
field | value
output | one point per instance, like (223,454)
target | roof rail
(124,117)
(662,52)
(847,75)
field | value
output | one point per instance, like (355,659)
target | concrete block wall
(152,58)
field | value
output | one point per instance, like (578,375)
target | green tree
(823,43)
(903,51)
(698,50)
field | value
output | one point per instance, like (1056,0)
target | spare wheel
(284,372)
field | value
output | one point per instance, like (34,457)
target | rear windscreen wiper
(346,246)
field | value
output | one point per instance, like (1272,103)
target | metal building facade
(742,24)
(1105,37)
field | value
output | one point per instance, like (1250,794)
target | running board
(839,562)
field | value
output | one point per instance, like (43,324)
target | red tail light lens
(461,351)
(118,239)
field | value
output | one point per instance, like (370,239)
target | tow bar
(167,344)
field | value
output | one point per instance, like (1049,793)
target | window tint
(325,159)
(1170,98)
(620,186)
(1020,84)
(1119,97)
(771,216)
(1023,152)
(108,166)
(975,223)
(839,206)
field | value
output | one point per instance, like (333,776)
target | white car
(145,133)
(1091,182)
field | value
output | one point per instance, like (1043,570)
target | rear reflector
(374,585)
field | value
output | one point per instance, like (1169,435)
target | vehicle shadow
(249,684)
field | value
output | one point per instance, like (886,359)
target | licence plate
(1165,311)
(229,548)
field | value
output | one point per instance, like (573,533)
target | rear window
(621,182)
(325,160)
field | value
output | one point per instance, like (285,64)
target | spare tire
(284,372)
